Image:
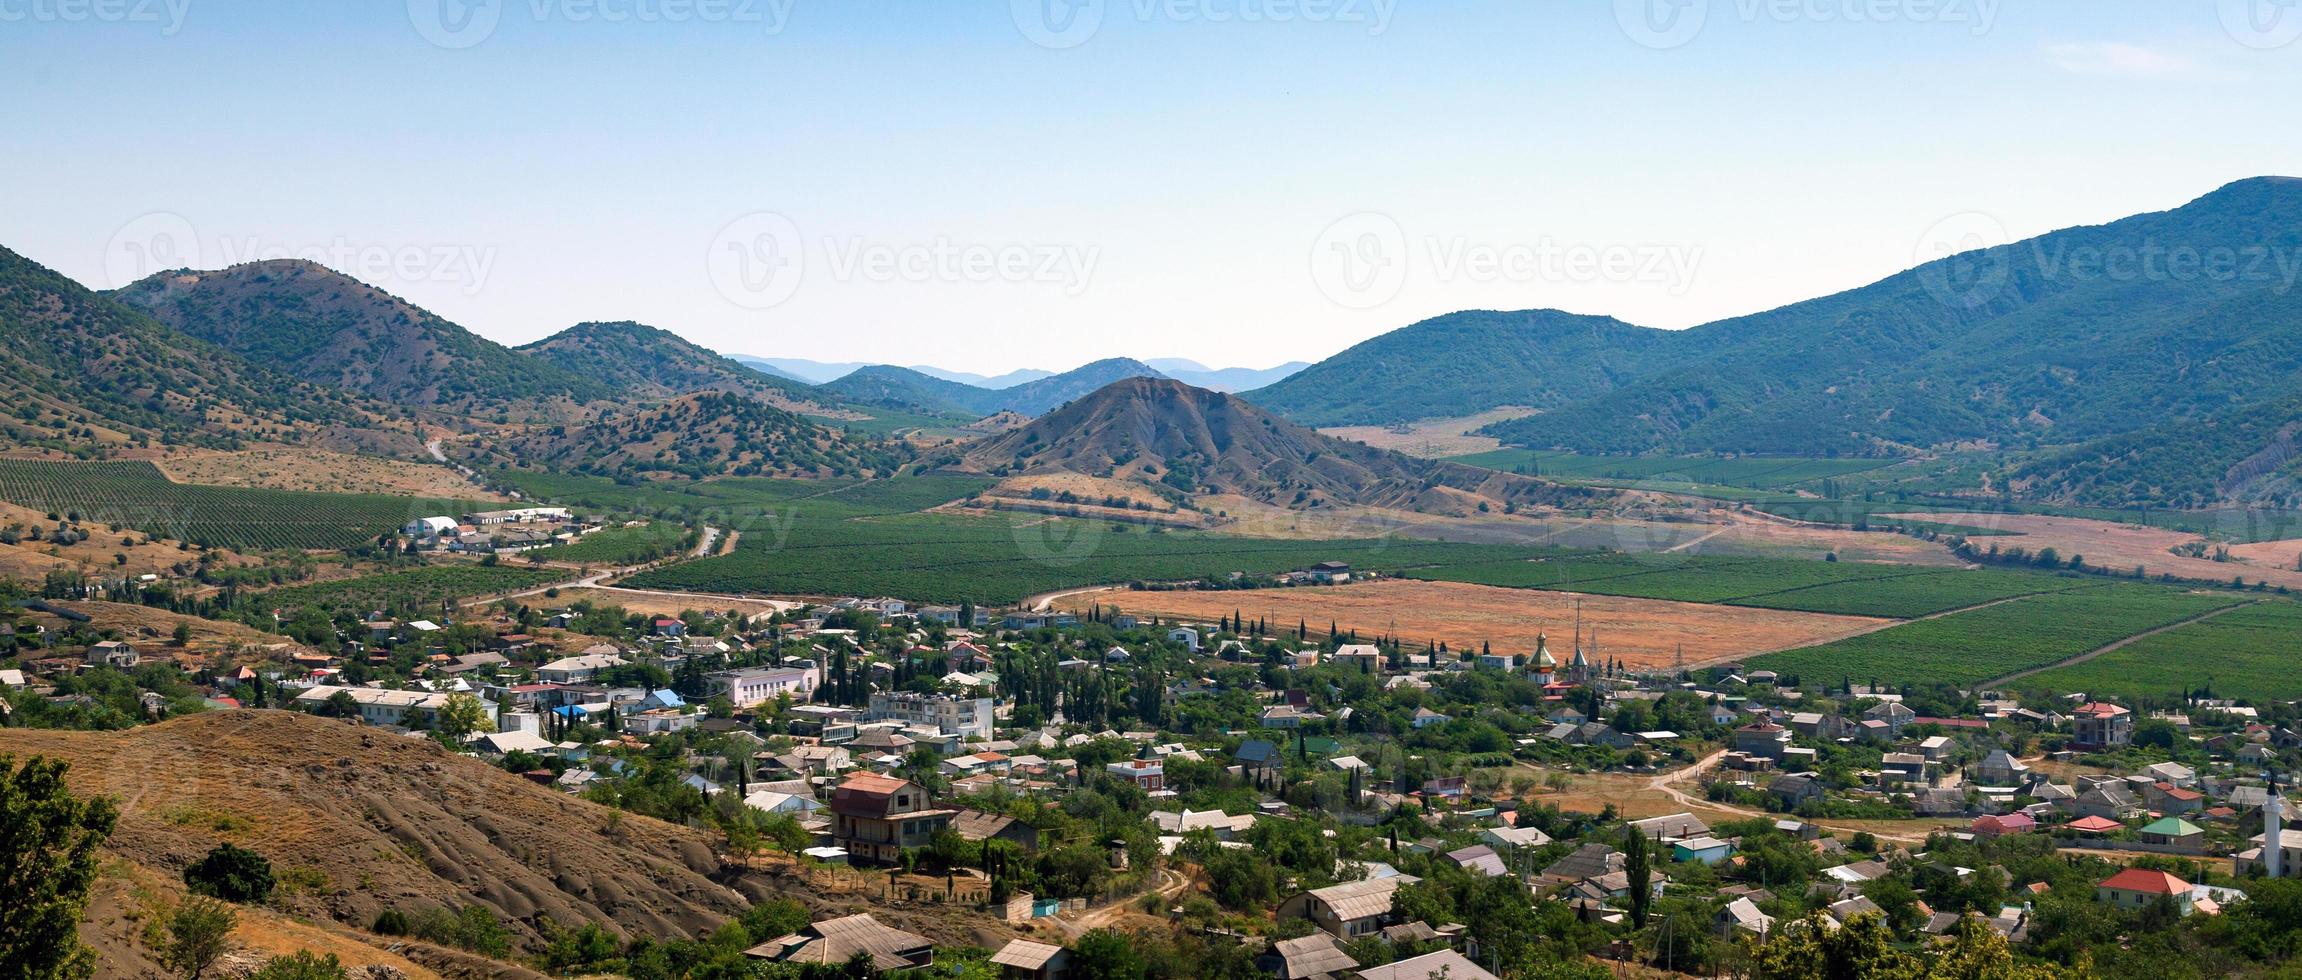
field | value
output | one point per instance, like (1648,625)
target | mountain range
(2099,347)
(2156,359)
(1181,369)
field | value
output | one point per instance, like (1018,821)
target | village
(1336,805)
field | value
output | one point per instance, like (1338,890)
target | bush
(234,874)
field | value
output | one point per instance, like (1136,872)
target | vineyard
(625,545)
(1890,591)
(418,592)
(137,495)
(2245,653)
(1994,641)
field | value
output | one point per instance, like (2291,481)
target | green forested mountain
(651,363)
(79,369)
(1466,363)
(888,386)
(2157,358)
(2076,335)
(323,326)
(711,433)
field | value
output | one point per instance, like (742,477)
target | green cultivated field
(2245,653)
(624,545)
(420,589)
(1995,641)
(137,495)
(868,538)
(1765,473)
(1848,588)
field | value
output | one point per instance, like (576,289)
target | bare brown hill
(1191,441)
(375,820)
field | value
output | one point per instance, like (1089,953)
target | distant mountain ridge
(912,390)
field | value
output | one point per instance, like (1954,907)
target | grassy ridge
(1998,640)
(137,495)
(2245,653)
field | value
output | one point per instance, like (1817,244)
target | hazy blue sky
(985,185)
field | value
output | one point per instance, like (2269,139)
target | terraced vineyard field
(2245,653)
(1890,591)
(137,495)
(1995,641)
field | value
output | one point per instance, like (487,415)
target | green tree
(195,935)
(232,873)
(462,715)
(1104,954)
(48,843)
(1637,866)
(303,964)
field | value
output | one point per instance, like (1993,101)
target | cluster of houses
(495,531)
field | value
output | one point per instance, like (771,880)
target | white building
(381,707)
(755,686)
(964,717)
(576,670)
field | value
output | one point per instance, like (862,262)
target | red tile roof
(2146,882)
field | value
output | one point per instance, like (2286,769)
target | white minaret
(2274,833)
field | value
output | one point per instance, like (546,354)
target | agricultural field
(632,545)
(1996,641)
(137,495)
(1645,633)
(420,590)
(1757,472)
(1847,588)
(830,537)
(1002,559)
(2245,653)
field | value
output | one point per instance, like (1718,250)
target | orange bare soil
(1642,632)
(2122,546)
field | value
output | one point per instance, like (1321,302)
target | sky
(985,185)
